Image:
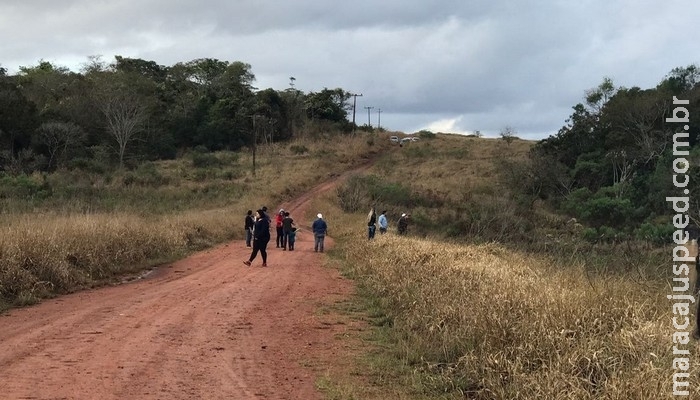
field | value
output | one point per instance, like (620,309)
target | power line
(369,120)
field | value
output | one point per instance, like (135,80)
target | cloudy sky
(448,66)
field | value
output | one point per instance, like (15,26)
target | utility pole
(354,104)
(379,116)
(255,139)
(369,120)
(294,106)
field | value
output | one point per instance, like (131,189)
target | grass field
(490,296)
(456,318)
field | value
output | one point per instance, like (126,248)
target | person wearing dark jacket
(261,235)
(403,224)
(249,224)
(287,225)
(320,228)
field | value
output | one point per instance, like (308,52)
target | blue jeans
(248,237)
(318,242)
(370,231)
(285,238)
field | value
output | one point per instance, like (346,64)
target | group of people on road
(257,233)
(258,226)
(383,222)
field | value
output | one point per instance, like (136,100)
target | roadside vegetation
(530,271)
(518,305)
(70,229)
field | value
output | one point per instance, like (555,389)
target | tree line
(610,165)
(132,110)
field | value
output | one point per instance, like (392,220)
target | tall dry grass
(489,321)
(68,243)
(483,322)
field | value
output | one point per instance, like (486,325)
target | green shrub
(425,134)
(23,187)
(600,208)
(655,233)
(590,235)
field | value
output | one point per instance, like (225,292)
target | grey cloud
(482,64)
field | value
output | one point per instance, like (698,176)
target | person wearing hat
(319,228)
(403,224)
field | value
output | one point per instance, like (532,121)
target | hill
(493,294)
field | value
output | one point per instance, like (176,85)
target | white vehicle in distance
(415,139)
(394,139)
(405,140)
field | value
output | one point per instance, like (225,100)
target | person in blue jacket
(320,228)
(383,223)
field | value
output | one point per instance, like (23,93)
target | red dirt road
(206,327)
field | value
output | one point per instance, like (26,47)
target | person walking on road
(249,224)
(261,236)
(383,223)
(320,228)
(371,223)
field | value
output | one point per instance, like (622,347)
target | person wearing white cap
(320,228)
(403,224)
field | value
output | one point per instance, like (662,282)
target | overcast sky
(448,66)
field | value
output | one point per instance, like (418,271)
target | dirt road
(206,327)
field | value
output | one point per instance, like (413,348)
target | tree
(18,117)
(508,134)
(597,97)
(681,79)
(124,111)
(331,105)
(58,136)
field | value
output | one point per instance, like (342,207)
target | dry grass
(452,164)
(493,324)
(59,248)
(485,321)
(474,321)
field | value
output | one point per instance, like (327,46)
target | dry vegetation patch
(88,229)
(484,322)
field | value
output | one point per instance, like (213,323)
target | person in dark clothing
(292,238)
(403,224)
(287,225)
(264,210)
(261,235)
(249,224)
(320,228)
(371,223)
